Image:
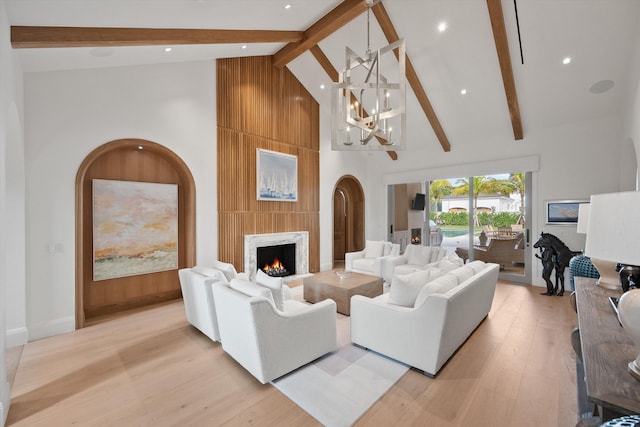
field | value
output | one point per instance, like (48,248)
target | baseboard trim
(52,327)
(16,337)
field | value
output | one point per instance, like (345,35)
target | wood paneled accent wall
(260,106)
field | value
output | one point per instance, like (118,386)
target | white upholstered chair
(197,294)
(369,260)
(269,342)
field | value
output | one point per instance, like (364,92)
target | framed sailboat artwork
(276,176)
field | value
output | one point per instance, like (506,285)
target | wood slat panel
(263,107)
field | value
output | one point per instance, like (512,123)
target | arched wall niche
(348,217)
(129,160)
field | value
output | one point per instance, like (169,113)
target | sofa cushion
(405,269)
(275,285)
(463,273)
(364,264)
(210,273)
(251,289)
(418,255)
(228,269)
(440,285)
(477,266)
(405,287)
(374,249)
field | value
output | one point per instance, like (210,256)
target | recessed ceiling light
(287,6)
(463,92)
(321,86)
(244,46)
(140,147)
(566,60)
(167,49)
(442,26)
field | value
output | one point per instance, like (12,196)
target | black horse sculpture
(546,256)
(561,257)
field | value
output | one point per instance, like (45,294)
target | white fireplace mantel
(254,241)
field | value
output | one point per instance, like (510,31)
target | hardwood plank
(153,368)
(47,37)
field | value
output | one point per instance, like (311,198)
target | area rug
(339,388)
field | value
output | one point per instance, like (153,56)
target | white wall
(576,160)
(12,240)
(69,114)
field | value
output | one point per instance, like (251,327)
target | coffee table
(327,284)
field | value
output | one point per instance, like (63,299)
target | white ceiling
(599,35)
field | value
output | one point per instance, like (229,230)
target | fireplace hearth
(300,264)
(415,236)
(277,260)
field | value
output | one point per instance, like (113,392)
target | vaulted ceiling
(506,54)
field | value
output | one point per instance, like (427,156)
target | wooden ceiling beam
(504,57)
(47,37)
(341,15)
(412,77)
(334,76)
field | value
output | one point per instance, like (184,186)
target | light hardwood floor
(153,369)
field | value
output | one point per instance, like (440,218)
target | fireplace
(415,236)
(299,263)
(277,260)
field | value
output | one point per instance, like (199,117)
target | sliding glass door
(484,217)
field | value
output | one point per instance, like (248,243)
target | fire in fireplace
(278,260)
(415,236)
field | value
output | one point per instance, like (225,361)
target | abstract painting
(277,176)
(135,228)
(563,211)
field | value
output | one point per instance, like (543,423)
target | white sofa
(269,342)
(369,260)
(414,258)
(446,311)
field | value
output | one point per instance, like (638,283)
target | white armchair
(414,258)
(197,294)
(268,342)
(369,260)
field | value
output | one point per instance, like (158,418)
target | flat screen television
(418,202)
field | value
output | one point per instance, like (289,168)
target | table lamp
(613,234)
(609,277)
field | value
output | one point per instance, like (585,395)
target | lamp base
(634,369)
(609,277)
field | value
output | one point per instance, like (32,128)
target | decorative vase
(483,238)
(629,314)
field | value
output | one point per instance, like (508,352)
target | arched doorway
(139,161)
(348,217)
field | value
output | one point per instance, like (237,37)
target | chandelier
(368,102)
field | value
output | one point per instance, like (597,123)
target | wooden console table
(606,352)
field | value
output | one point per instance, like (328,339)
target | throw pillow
(374,249)
(251,289)
(405,288)
(441,254)
(477,266)
(228,269)
(210,273)
(463,273)
(275,285)
(387,249)
(417,255)
(440,285)
(445,265)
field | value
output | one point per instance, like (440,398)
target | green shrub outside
(500,219)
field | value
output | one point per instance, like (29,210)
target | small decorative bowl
(342,274)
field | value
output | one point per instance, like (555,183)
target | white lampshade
(613,233)
(583,218)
